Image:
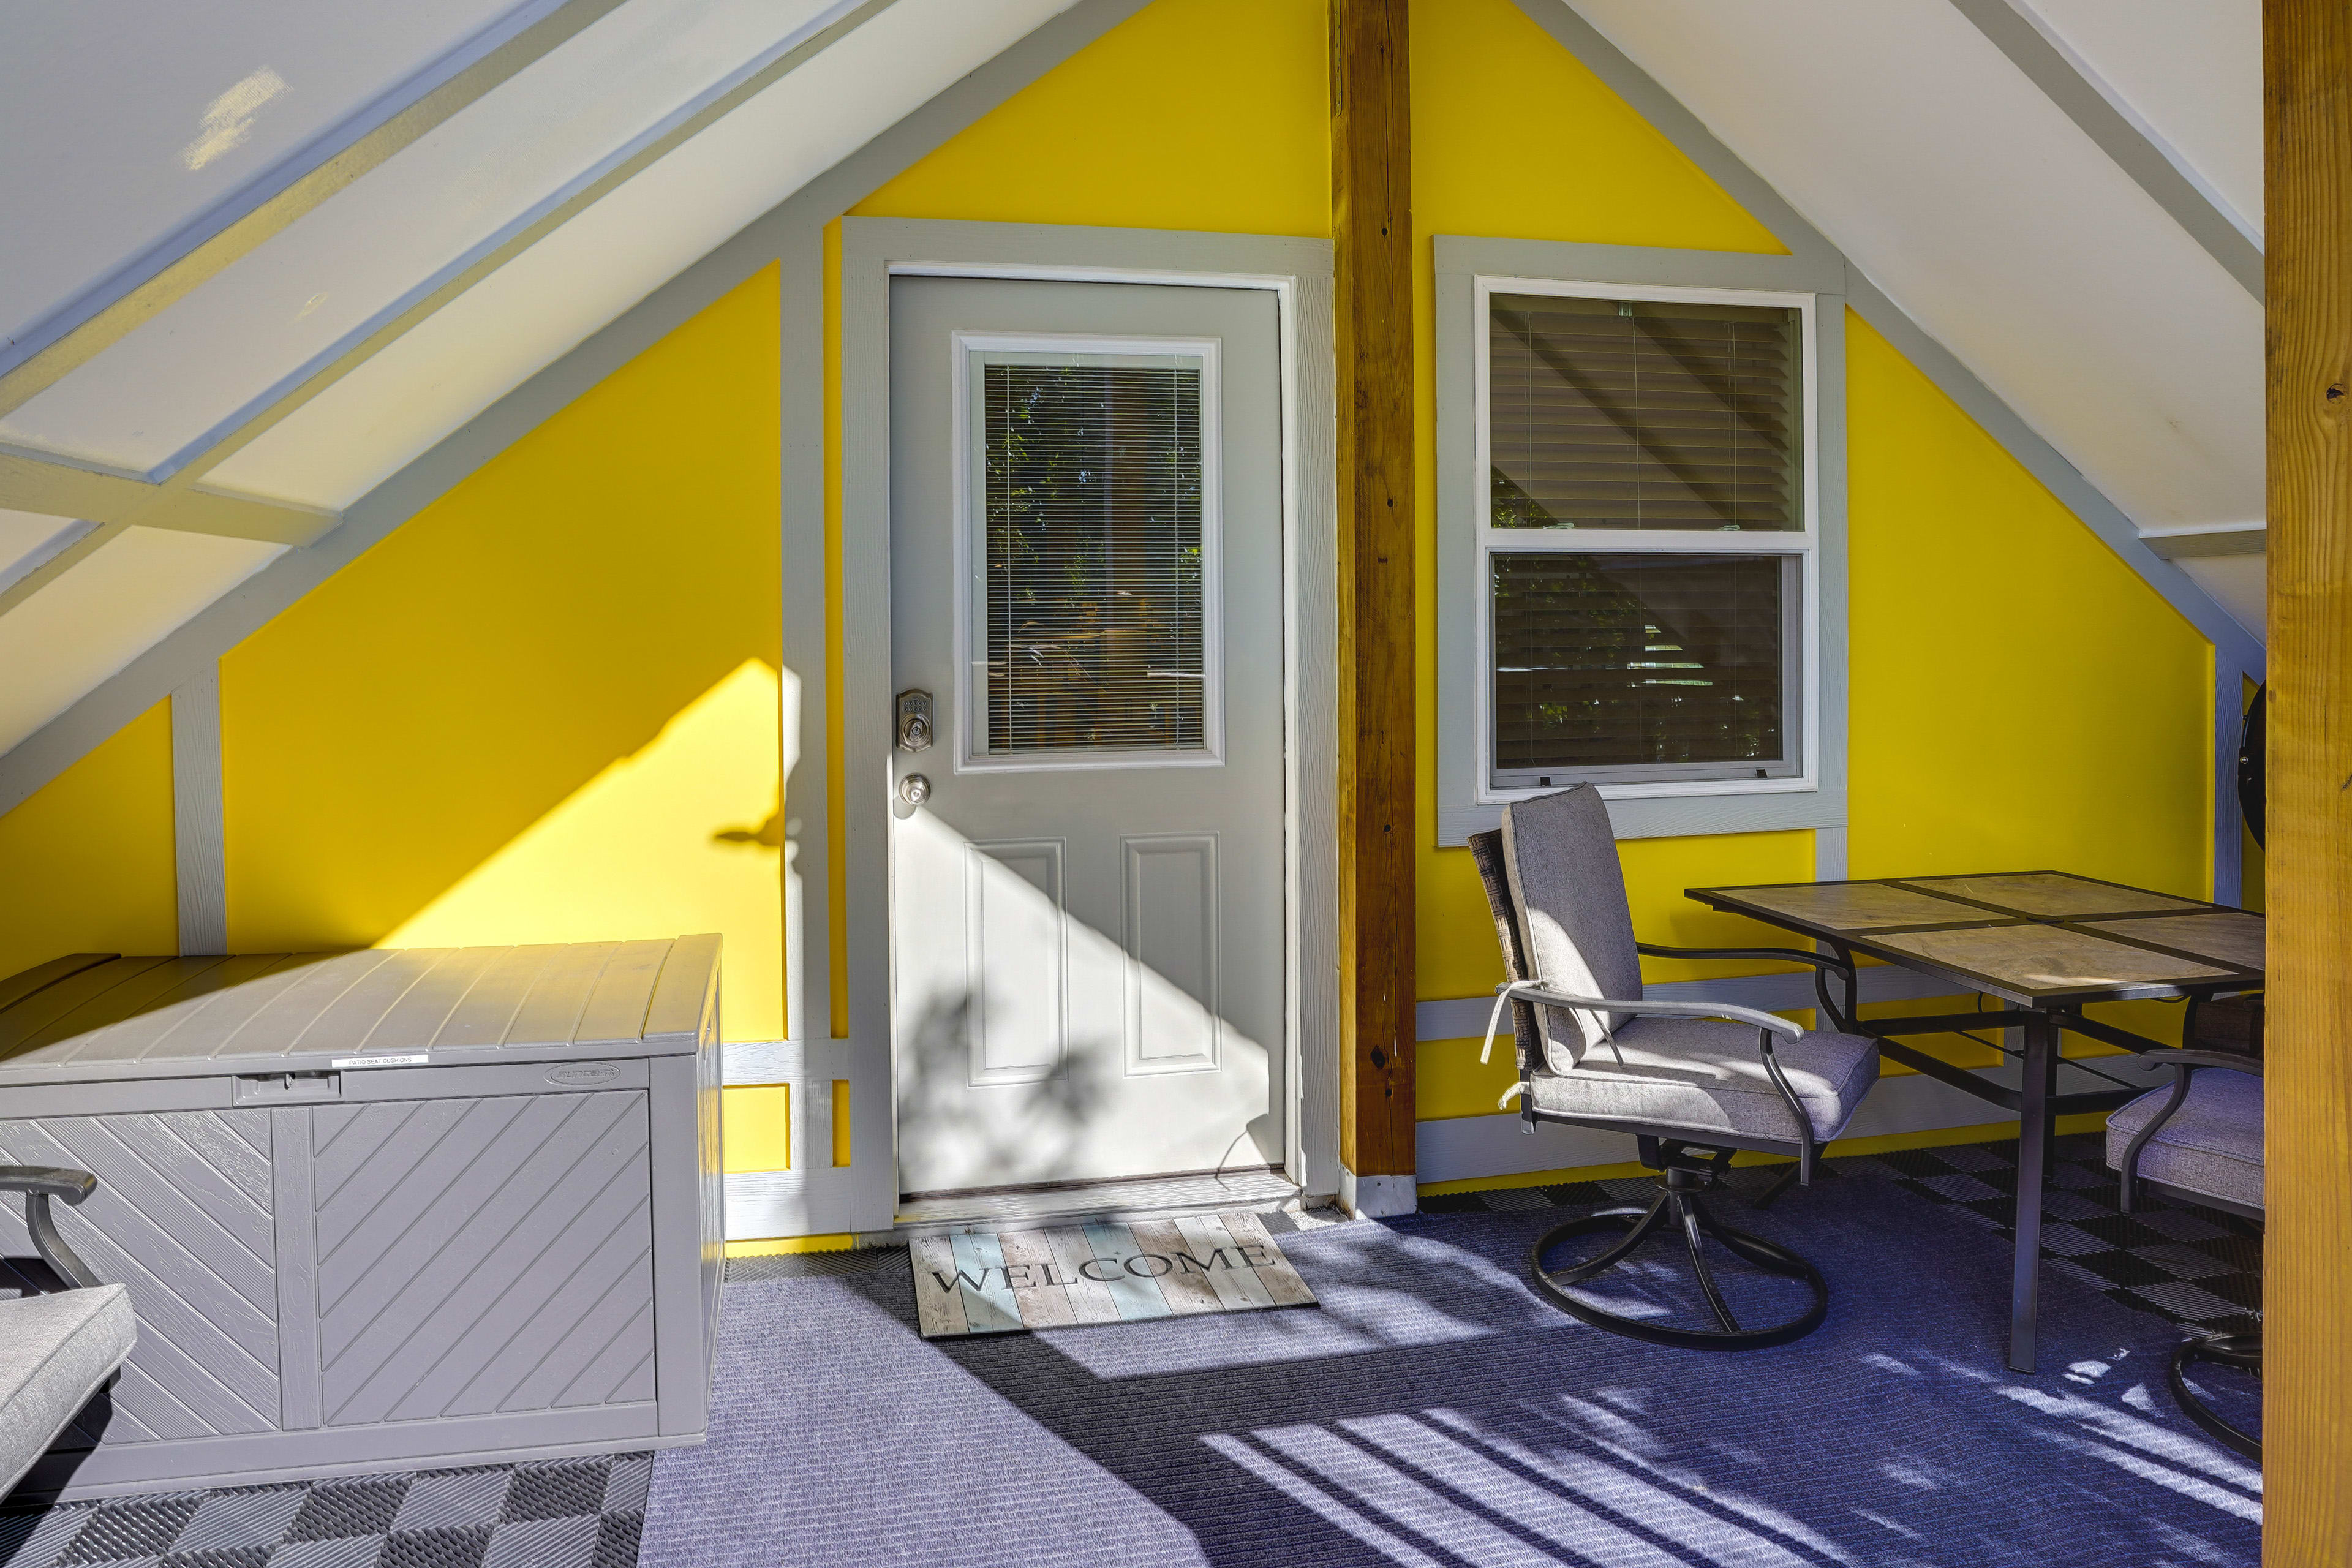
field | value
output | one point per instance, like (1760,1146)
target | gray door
(1088,937)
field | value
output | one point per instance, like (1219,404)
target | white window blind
(1645,540)
(1642,414)
(1091,584)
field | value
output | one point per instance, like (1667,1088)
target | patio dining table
(2046,944)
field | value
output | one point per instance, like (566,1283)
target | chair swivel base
(2243,1352)
(1678,1206)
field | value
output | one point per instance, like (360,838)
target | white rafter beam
(31,482)
(2131,148)
(89,324)
(241,431)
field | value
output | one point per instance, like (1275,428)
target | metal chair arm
(2184,1065)
(2188,1061)
(39,1183)
(53,1180)
(1528,991)
(1783,955)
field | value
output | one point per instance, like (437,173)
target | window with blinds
(1627,640)
(1642,414)
(1610,661)
(1091,584)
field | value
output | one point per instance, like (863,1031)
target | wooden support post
(2307,1257)
(1371,227)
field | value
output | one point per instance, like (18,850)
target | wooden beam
(1371,227)
(2307,1257)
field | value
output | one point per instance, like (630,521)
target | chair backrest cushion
(1561,855)
(1486,854)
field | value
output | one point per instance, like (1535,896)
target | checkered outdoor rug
(2201,1267)
(564,1513)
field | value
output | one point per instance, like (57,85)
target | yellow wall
(546,707)
(86,861)
(1201,114)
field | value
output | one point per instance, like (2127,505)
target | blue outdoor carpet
(1434,1411)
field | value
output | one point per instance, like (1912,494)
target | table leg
(2032,1160)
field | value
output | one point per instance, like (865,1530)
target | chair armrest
(2189,1061)
(2184,1065)
(1521,990)
(39,1183)
(50,1181)
(1784,954)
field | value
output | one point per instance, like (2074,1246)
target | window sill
(1749,810)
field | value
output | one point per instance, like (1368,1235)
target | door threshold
(1130,1198)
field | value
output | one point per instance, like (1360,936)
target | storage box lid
(102,1015)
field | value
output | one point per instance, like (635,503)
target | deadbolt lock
(914,721)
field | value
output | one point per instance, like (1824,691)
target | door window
(1090,545)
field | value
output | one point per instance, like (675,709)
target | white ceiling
(126,131)
(1900,131)
(2189,73)
(114,144)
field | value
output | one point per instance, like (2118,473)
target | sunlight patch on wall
(681,837)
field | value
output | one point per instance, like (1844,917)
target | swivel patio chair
(1694,1082)
(2199,1142)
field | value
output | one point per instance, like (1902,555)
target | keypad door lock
(915,721)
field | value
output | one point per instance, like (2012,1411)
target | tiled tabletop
(2034,937)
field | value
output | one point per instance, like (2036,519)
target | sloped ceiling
(1900,129)
(554,184)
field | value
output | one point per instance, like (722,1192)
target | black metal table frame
(2042,1015)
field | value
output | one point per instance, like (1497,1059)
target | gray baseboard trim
(1464,1018)
(1465,1148)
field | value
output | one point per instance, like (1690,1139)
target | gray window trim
(1461,261)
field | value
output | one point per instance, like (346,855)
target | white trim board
(198,831)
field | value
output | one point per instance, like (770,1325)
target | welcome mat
(1004,1282)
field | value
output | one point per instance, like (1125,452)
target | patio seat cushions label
(54,1353)
(1706,1075)
(1561,855)
(2212,1144)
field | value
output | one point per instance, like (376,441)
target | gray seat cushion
(2212,1144)
(1705,1074)
(1575,928)
(55,1351)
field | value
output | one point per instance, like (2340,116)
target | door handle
(914,721)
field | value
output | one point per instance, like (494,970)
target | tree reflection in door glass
(1093,579)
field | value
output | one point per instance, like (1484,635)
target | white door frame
(1298,273)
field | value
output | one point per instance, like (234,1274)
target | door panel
(1013,970)
(1086,577)
(1171,946)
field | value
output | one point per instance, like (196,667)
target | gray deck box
(379,1210)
